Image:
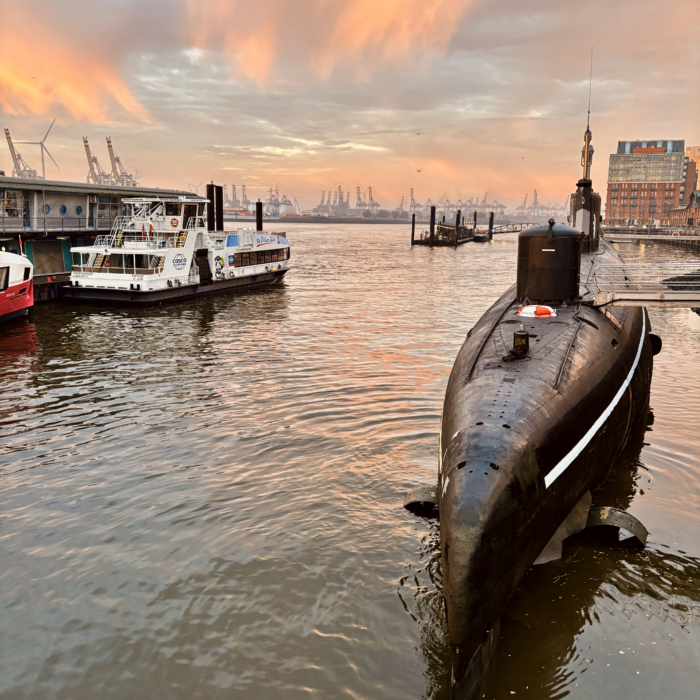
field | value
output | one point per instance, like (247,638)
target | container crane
(119,174)
(372,205)
(20,168)
(96,174)
(44,150)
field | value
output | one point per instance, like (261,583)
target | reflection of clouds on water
(205,497)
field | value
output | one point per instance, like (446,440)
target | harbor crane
(244,198)
(360,200)
(41,145)
(119,174)
(371,204)
(96,174)
(19,166)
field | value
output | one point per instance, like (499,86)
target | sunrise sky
(481,95)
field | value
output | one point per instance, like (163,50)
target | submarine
(544,394)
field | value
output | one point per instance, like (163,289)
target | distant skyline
(479,96)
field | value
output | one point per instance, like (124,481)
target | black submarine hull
(521,442)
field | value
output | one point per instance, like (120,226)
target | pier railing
(648,284)
(53,224)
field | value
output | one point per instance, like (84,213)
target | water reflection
(204,499)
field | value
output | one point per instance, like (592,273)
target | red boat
(16,286)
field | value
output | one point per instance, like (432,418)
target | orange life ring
(174,223)
(107,263)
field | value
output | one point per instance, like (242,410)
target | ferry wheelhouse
(162,249)
(16,286)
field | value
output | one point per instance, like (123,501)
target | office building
(646,180)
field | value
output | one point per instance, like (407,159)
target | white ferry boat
(162,250)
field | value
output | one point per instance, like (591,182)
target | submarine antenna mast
(587,153)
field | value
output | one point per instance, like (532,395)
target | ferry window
(246,259)
(4,278)
(63,210)
(268,256)
(286,254)
(274,256)
(172,209)
(78,210)
(47,209)
(254,259)
(237,260)
(27,270)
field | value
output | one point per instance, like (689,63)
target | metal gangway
(513,228)
(648,284)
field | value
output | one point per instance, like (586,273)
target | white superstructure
(163,244)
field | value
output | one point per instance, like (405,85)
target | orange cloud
(322,35)
(38,72)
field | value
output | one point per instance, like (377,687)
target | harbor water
(203,500)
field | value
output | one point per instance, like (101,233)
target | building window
(47,209)
(63,210)
(78,210)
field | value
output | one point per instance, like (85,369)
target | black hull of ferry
(171,294)
(521,442)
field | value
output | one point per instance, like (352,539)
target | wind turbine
(43,148)
(296,202)
(196,187)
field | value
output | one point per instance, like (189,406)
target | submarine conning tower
(549,257)
(585,203)
(549,264)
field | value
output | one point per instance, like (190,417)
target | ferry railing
(195,222)
(140,241)
(115,270)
